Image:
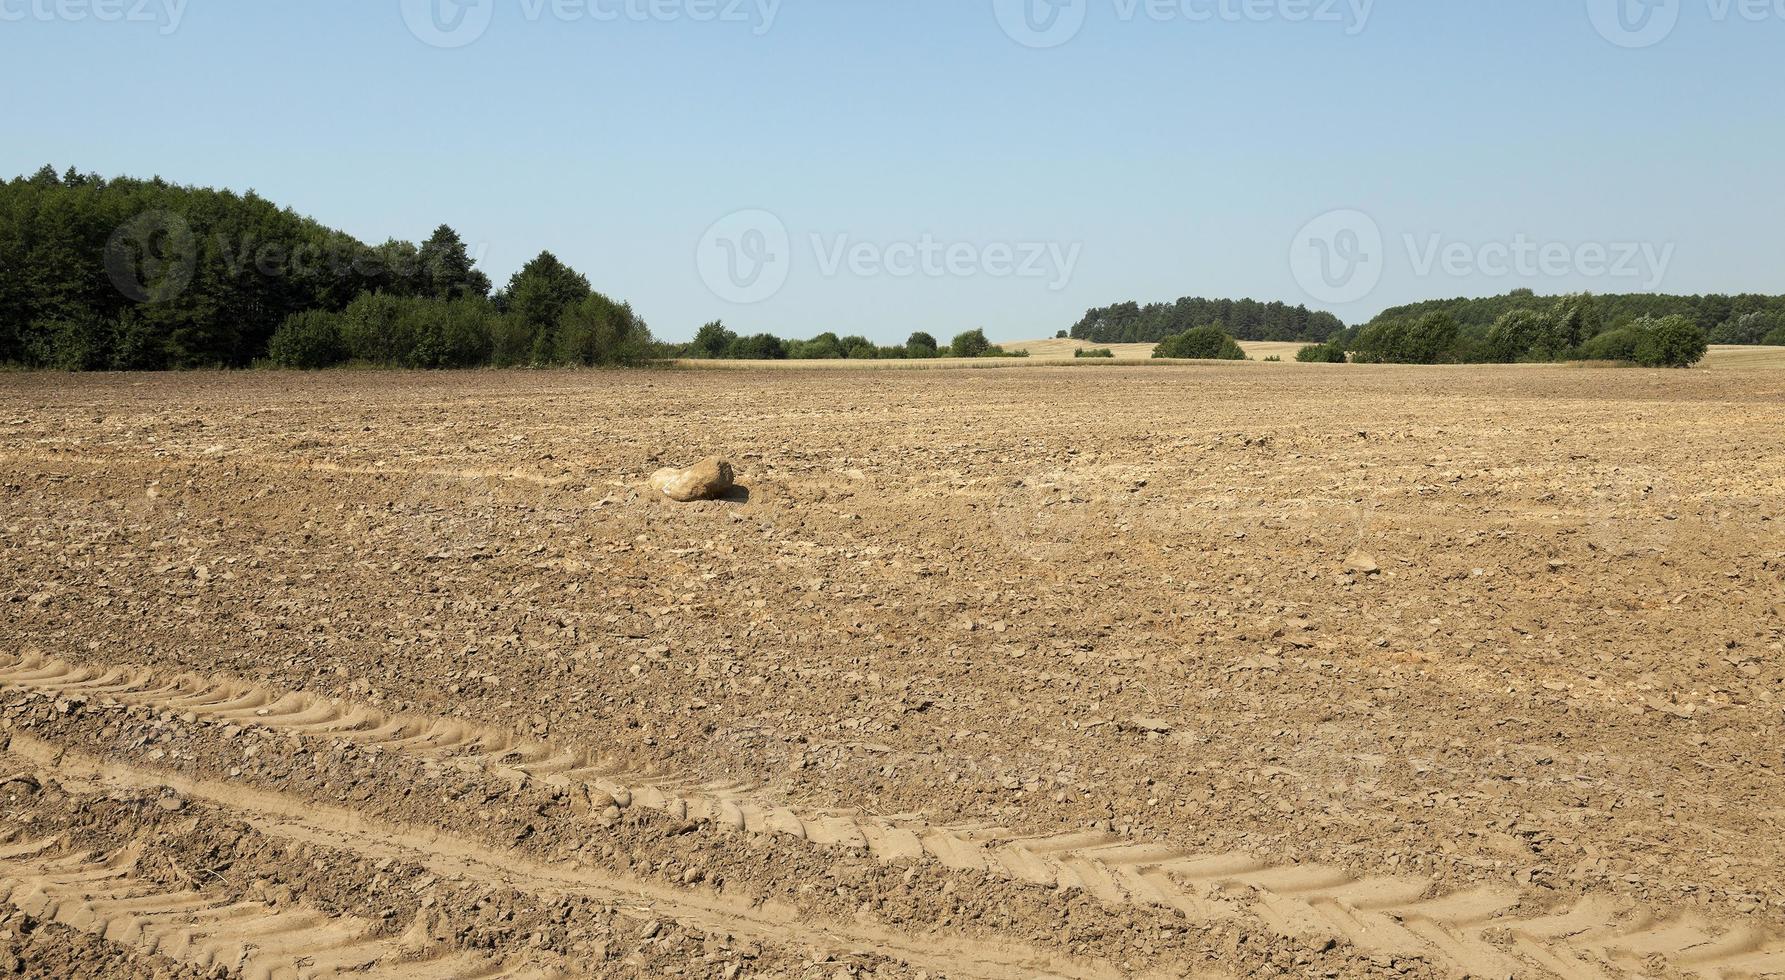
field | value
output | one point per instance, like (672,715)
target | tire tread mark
(1384,914)
(101,896)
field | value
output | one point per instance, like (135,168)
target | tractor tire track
(1479,932)
(103,896)
(450,856)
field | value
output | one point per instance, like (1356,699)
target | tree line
(1747,318)
(1243,319)
(716,342)
(1527,330)
(129,274)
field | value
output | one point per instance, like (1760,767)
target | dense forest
(1743,319)
(1243,319)
(144,274)
(1529,329)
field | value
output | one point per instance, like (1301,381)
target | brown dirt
(1010,673)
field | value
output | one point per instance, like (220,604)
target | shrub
(713,340)
(79,342)
(454,333)
(1209,343)
(757,347)
(1749,328)
(1775,339)
(1273,359)
(599,331)
(374,329)
(1521,334)
(971,344)
(1331,352)
(308,341)
(1575,320)
(513,341)
(1432,339)
(825,346)
(1673,341)
(920,345)
(1612,345)
(1094,352)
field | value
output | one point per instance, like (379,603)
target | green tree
(1331,352)
(1618,344)
(972,343)
(1431,339)
(825,346)
(598,331)
(712,341)
(308,341)
(1675,341)
(920,344)
(1748,328)
(1518,334)
(1576,319)
(537,297)
(1209,343)
(758,347)
(446,268)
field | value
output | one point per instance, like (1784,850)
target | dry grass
(1722,356)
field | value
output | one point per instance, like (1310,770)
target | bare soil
(1140,671)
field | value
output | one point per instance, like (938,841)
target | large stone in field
(708,479)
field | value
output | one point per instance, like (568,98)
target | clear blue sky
(1170,156)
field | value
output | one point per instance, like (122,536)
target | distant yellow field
(1745,357)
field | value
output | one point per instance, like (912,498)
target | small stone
(1362,564)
